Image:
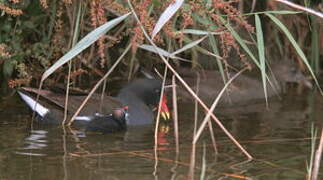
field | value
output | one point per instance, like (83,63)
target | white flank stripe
(83,118)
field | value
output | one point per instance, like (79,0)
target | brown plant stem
(98,84)
(175,114)
(302,8)
(317,160)
(188,88)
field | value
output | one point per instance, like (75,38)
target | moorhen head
(139,96)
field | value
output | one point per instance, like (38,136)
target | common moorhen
(243,88)
(139,97)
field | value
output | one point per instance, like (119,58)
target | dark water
(278,139)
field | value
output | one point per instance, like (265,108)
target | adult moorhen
(244,88)
(133,106)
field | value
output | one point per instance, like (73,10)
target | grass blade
(241,42)
(166,15)
(189,45)
(197,32)
(83,44)
(261,53)
(157,50)
(295,45)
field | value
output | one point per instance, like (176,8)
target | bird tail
(34,105)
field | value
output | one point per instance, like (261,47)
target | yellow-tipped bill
(164,111)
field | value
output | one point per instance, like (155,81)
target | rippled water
(278,138)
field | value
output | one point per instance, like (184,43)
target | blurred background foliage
(35,34)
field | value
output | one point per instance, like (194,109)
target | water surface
(278,138)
